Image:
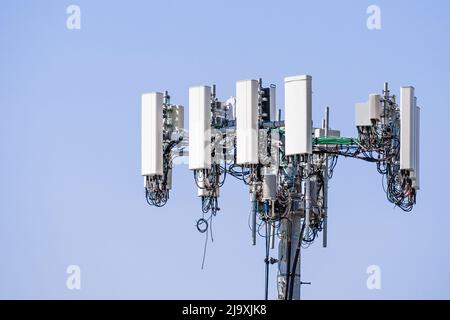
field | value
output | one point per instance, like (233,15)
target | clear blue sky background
(70,190)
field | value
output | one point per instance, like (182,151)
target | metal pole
(297,233)
(307,194)
(266,296)
(297,259)
(296,265)
(272,235)
(254,204)
(325,183)
(287,280)
(272,225)
(288,247)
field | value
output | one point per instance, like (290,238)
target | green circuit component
(335,140)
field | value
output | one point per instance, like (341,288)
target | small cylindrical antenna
(166,97)
(386,90)
(272,235)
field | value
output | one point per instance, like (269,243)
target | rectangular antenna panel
(247,122)
(152,134)
(362,115)
(298,108)
(374,106)
(407,126)
(200,127)
(366,112)
(416,182)
(273,103)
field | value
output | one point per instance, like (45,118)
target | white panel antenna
(374,106)
(200,127)
(273,103)
(407,115)
(366,113)
(247,121)
(152,134)
(416,174)
(362,115)
(298,108)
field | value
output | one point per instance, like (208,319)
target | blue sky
(70,190)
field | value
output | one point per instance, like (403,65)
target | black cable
(204,250)
(202,225)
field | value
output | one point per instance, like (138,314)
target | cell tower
(286,164)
